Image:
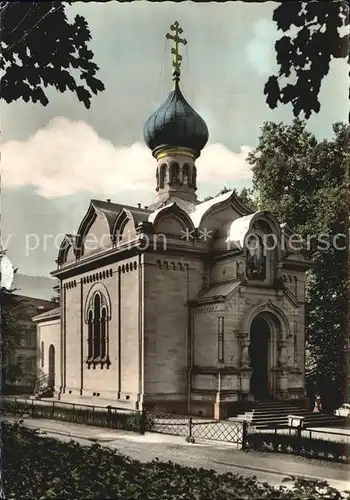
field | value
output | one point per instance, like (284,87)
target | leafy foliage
(41,48)
(314,448)
(312,39)
(37,467)
(12,333)
(304,183)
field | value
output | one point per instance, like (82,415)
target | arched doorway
(51,381)
(260,335)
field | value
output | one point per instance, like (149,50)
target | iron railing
(329,445)
(101,416)
(194,428)
(239,433)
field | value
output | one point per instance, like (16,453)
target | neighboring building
(24,356)
(172,307)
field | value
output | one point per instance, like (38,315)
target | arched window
(90,336)
(162,176)
(194,177)
(97,327)
(103,333)
(42,354)
(175,171)
(97,324)
(185,173)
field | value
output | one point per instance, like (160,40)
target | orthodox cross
(177,30)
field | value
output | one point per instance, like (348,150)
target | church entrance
(259,358)
(51,381)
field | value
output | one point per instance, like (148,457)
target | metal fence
(194,428)
(191,428)
(101,416)
(322,444)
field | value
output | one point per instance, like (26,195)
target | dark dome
(176,123)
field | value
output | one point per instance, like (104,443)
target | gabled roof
(203,207)
(222,290)
(197,211)
(187,206)
(53,314)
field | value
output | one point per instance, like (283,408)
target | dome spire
(177,30)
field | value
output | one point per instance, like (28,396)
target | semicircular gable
(218,213)
(94,232)
(171,219)
(97,288)
(66,252)
(124,226)
(84,227)
(268,219)
(242,227)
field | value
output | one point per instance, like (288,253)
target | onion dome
(176,124)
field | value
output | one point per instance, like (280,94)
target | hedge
(286,443)
(45,468)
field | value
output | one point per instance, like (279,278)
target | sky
(56,158)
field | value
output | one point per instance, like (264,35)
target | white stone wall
(100,382)
(49,333)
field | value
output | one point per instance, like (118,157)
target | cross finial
(177,30)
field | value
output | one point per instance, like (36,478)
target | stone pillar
(282,353)
(246,371)
(282,362)
(217,406)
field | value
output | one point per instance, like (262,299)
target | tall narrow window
(97,327)
(175,170)
(90,336)
(221,339)
(42,354)
(194,178)
(103,333)
(185,173)
(162,176)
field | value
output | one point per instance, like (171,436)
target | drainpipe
(189,344)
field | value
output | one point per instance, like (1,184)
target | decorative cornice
(162,152)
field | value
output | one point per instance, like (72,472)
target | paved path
(222,457)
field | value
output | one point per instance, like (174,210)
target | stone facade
(179,310)
(169,307)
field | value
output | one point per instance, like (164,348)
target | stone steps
(271,414)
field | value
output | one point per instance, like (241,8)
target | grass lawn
(44,468)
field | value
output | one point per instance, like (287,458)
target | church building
(183,306)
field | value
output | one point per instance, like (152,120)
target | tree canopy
(40,48)
(312,38)
(304,182)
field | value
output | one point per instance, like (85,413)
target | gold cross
(175,50)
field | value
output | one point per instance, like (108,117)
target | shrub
(45,468)
(285,443)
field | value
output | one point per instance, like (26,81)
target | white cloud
(68,157)
(260,51)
